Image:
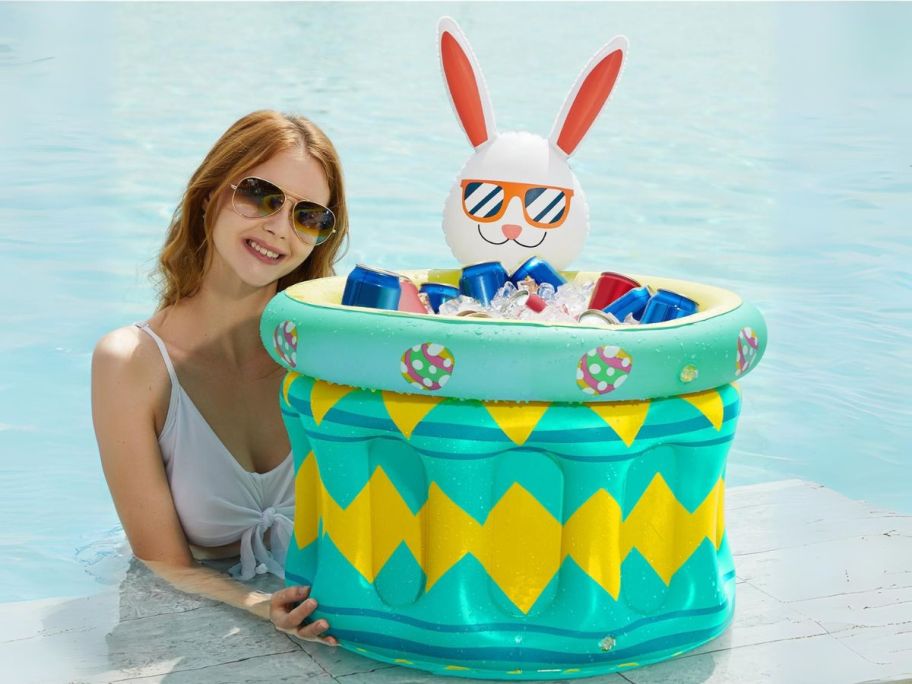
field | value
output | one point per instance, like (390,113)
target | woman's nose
(279,224)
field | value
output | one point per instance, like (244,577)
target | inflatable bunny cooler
(513,499)
(483,221)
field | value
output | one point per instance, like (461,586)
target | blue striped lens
(483,201)
(545,205)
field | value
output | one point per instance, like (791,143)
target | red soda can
(408,299)
(609,287)
(530,301)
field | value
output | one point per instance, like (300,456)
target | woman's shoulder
(129,352)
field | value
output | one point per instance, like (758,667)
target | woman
(185,405)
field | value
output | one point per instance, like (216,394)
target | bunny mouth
(503,242)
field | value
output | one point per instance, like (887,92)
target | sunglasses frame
(286,195)
(512,190)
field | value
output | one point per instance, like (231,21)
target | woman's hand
(289,619)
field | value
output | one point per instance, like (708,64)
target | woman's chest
(244,415)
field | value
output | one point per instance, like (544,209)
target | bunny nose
(511,231)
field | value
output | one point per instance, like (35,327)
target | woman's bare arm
(127,381)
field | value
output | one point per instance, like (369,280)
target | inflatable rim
(307,330)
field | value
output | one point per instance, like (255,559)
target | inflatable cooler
(507,499)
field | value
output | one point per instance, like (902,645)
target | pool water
(761,148)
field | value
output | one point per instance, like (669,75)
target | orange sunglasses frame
(512,190)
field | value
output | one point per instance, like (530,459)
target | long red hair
(250,141)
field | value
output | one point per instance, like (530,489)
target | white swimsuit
(219,502)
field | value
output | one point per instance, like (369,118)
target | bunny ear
(465,83)
(589,93)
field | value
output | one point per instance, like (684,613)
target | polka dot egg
(427,366)
(285,342)
(748,344)
(603,369)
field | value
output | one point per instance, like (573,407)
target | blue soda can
(666,306)
(540,271)
(438,293)
(372,287)
(482,281)
(633,302)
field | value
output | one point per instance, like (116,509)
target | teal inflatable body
(512,500)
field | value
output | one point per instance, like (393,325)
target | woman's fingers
(281,610)
(302,612)
(289,595)
(314,631)
(289,618)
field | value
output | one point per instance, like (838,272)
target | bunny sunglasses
(544,206)
(257,198)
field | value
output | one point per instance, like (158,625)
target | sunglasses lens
(313,221)
(255,197)
(483,201)
(545,205)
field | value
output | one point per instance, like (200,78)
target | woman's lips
(262,257)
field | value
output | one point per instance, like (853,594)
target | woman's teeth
(263,250)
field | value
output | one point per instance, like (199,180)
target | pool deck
(824,594)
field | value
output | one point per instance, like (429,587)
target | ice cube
(546,291)
(528,283)
(501,298)
(451,307)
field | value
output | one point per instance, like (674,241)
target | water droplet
(689,373)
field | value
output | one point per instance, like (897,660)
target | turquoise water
(737,150)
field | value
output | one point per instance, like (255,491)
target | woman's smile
(263,252)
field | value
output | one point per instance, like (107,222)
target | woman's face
(237,239)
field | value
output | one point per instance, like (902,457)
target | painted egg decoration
(748,344)
(285,342)
(427,366)
(603,369)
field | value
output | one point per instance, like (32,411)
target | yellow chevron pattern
(407,410)
(520,544)
(325,395)
(625,417)
(710,404)
(517,421)
(287,382)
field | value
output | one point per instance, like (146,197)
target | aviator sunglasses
(544,206)
(257,198)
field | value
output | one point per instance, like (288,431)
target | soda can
(610,287)
(540,271)
(529,300)
(438,293)
(633,302)
(482,281)
(373,288)
(666,306)
(597,318)
(408,299)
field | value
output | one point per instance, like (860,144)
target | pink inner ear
(589,101)
(464,89)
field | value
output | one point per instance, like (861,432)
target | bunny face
(487,221)
(516,197)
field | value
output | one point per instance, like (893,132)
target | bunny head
(516,197)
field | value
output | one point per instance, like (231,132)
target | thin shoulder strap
(164,352)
